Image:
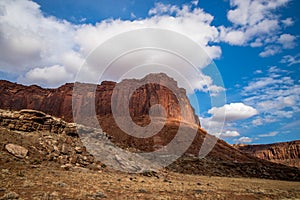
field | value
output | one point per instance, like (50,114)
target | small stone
(99,194)
(198,191)
(54,194)
(67,166)
(10,195)
(16,150)
(142,191)
(11,126)
(93,167)
(5,171)
(149,173)
(78,149)
(80,169)
(64,149)
(61,184)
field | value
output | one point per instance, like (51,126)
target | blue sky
(254,44)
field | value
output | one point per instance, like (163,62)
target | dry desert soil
(22,181)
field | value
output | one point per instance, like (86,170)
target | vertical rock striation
(287,153)
(155,89)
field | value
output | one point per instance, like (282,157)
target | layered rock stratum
(58,101)
(287,153)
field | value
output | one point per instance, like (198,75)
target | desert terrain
(42,155)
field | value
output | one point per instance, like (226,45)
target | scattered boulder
(16,150)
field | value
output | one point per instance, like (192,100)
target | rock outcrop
(58,102)
(43,138)
(46,138)
(287,153)
(31,120)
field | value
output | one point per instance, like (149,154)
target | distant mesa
(287,153)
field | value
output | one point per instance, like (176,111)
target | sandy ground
(41,182)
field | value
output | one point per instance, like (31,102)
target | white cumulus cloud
(232,112)
(30,41)
(33,44)
(243,140)
(50,76)
(291,60)
(255,23)
(270,51)
(224,117)
(274,133)
(229,134)
(276,95)
(233,37)
(288,21)
(288,41)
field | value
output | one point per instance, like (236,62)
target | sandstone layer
(155,89)
(287,153)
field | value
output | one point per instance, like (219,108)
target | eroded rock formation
(155,89)
(31,120)
(287,153)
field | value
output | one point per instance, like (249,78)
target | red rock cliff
(287,153)
(58,102)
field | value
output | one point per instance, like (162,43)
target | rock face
(287,153)
(58,102)
(164,91)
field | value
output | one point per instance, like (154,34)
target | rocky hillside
(39,139)
(58,102)
(287,153)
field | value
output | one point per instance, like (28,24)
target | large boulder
(17,150)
